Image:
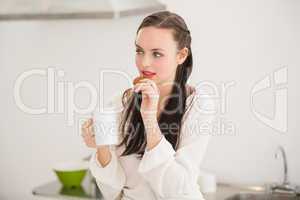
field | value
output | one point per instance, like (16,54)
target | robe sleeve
(111,178)
(174,174)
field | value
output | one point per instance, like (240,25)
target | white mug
(207,182)
(105,128)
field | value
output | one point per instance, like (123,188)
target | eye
(156,54)
(138,51)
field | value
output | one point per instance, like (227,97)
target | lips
(148,73)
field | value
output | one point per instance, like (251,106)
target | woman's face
(156,52)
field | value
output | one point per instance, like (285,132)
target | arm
(105,166)
(103,155)
(175,174)
(109,178)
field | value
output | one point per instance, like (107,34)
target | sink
(263,192)
(275,191)
(263,196)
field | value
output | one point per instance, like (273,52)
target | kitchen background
(235,43)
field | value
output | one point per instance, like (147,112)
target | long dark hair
(131,126)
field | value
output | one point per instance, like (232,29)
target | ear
(182,55)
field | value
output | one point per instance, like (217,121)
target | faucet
(285,168)
(285,185)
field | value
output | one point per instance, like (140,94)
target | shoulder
(205,99)
(199,119)
(202,111)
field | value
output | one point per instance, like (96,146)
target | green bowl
(71,174)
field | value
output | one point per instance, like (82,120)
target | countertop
(89,191)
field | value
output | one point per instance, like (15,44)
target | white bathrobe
(162,173)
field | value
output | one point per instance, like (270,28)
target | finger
(91,131)
(83,131)
(87,123)
(86,131)
(141,86)
(150,81)
(153,84)
(149,85)
(148,91)
(138,85)
(84,125)
(90,142)
(147,88)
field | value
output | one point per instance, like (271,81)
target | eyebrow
(155,49)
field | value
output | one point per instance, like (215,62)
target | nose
(146,62)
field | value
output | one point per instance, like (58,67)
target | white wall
(232,41)
(244,42)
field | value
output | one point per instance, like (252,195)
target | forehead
(150,38)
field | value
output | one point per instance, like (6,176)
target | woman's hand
(87,132)
(149,106)
(150,98)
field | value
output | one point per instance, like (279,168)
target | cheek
(138,63)
(164,67)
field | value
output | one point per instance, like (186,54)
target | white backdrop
(233,42)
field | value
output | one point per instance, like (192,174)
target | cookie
(138,79)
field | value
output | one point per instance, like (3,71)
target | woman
(160,150)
